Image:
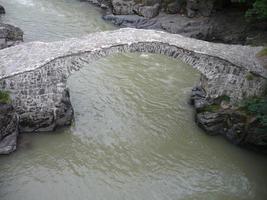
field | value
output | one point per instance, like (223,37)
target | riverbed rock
(212,123)
(8,128)
(134,21)
(147,11)
(10,35)
(199,8)
(175,7)
(123,7)
(2,10)
(218,117)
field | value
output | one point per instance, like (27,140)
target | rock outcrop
(10,35)
(123,7)
(147,11)
(199,7)
(219,117)
(9,122)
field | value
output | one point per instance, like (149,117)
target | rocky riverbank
(240,124)
(205,20)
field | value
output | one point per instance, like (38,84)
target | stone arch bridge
(36,73)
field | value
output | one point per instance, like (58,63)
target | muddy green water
(134,137)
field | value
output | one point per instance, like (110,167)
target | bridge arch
(36,73)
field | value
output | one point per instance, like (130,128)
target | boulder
(212,123)
(125,20)
(10,35)
(175,7)
(147,11)
(2,10)
(8,128)
(123,7)
(199,7)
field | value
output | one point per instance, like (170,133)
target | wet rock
(236,133)
(64,113)
(2,10)
(212,123)
(10,35)
(198,98)
(8,129)
(134,21)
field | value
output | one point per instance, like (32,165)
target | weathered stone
(199,7)
(123,7)
(49,120)
(198,98)
(2,10)
(10,35)
(212,123)
(175,7)
(147,11)
(8,129)
(126,20)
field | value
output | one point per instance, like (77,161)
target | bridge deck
(33,55)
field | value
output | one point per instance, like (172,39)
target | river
(134,136)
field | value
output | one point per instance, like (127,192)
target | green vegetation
(4,97)
(216,106)
(262,52)
(223,98)
(249,76)
(211,108)
(257,107)
(258,10)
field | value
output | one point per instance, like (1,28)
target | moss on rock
(4,97)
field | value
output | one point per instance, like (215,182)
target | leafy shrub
(258,108)
(258,10)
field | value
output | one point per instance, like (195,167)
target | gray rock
(199,8)
(175,7)
(8,129)
(125,20)
(123,7)
(147,11)
(10,35)
(211,123)
(198,98)
(2,10)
